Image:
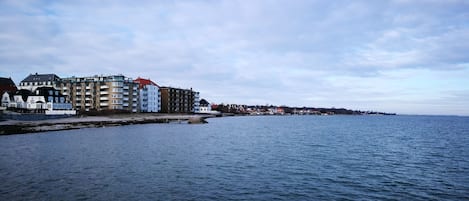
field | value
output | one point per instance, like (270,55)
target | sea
(244,158)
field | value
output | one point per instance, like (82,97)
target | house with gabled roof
(33,81)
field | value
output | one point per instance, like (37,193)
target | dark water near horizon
(245,158)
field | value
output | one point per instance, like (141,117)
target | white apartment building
(150,95)
(196,102)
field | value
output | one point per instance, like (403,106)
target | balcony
(125,105)
(104,104)
(87,99)
(87,88)
(126,87)
(134,99)
(104,92)
(88,104)
(126,99)
(78,93)
(78,87)
(126,93)
(88,93)
(105,98)
(104,87)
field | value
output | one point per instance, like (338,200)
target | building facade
(175,100)
(150,96)
(98,93)
(46,100)
(196,103)
(33,81)
(205,106)
(7,86)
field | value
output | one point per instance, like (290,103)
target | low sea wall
(32,117)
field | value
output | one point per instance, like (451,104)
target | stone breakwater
(20,127)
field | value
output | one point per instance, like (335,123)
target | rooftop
(6,81)
(142,82)
(41,78)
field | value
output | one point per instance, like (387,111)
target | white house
(36,102)
(34,81)
(45,99)
(6,99)
(204,106)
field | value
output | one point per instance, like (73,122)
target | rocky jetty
(20,127)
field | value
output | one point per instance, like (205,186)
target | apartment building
(97,93)
(150,96)
(175,100)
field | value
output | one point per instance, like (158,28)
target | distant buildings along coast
(51,94)
(99,94)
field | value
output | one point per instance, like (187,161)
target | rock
(197,120)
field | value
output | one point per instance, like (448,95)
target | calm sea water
(244,158)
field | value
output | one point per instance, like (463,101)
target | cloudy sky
(404,56)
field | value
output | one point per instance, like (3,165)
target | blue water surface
(244,158)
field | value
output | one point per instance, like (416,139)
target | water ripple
(244,158)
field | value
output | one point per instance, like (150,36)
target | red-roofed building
(150,95)
(7,86)
(142,82)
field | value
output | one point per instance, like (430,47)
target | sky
(402,56)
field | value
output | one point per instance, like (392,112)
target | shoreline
(13,127)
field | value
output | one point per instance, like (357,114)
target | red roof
(142,82)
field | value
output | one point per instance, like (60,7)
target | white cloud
(314,53)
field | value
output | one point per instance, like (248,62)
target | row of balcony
(101,93)
(103,105)
(89,87)
(101,87)
(126,93)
